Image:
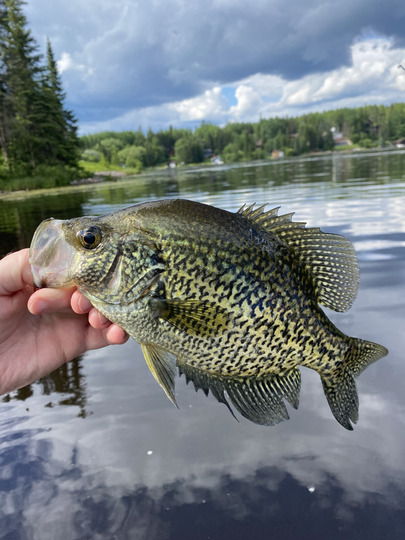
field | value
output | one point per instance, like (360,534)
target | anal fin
(259,400)
(163,367)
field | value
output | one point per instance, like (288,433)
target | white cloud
(372,77)
(66,63)
(398,77)
(268,86)
(249,103)
(211,104)
(371,68)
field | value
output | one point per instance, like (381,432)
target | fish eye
(90,237)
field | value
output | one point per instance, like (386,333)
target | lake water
(97,451)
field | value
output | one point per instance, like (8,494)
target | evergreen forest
(374,126)
(38,136)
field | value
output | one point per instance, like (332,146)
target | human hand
(58,325)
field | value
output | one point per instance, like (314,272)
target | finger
(116,335)
(80,304)
(50,300)
(15,272)
(97,320)
(113,335)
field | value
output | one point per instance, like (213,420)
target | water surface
(96,450)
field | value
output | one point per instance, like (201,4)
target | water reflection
(68,380)
(298,497)
(327,177)
(95,450)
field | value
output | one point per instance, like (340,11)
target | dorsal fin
(269,220)
(329,258)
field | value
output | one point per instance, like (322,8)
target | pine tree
(35,128)
(61,143)
(5,113)
(5,118)
(21,90)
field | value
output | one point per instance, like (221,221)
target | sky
(127,64)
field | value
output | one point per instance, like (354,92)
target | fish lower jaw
(43,278)
(38,279)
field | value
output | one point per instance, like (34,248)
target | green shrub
(91,155)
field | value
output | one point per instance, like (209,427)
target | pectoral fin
(191,316)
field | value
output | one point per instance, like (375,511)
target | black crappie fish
(231,299)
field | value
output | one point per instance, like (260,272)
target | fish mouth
(50,255)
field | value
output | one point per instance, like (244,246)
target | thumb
(15,272)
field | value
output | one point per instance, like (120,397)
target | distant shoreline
(119,177)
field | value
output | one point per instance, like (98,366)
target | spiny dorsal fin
(163,367)
(258,400)
(269,220)
(329,258)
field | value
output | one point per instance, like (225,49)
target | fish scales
(231,299)
(259,314)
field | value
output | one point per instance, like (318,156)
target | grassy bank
(46,177)
(91,168)
(43,177)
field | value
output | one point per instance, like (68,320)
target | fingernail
(40,306)
(103,321)
(122,335)
(84,304)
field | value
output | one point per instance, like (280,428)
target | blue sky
(155,63)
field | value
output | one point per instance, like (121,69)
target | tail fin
(340,386)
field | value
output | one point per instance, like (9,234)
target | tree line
(38,135)
(365,127)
